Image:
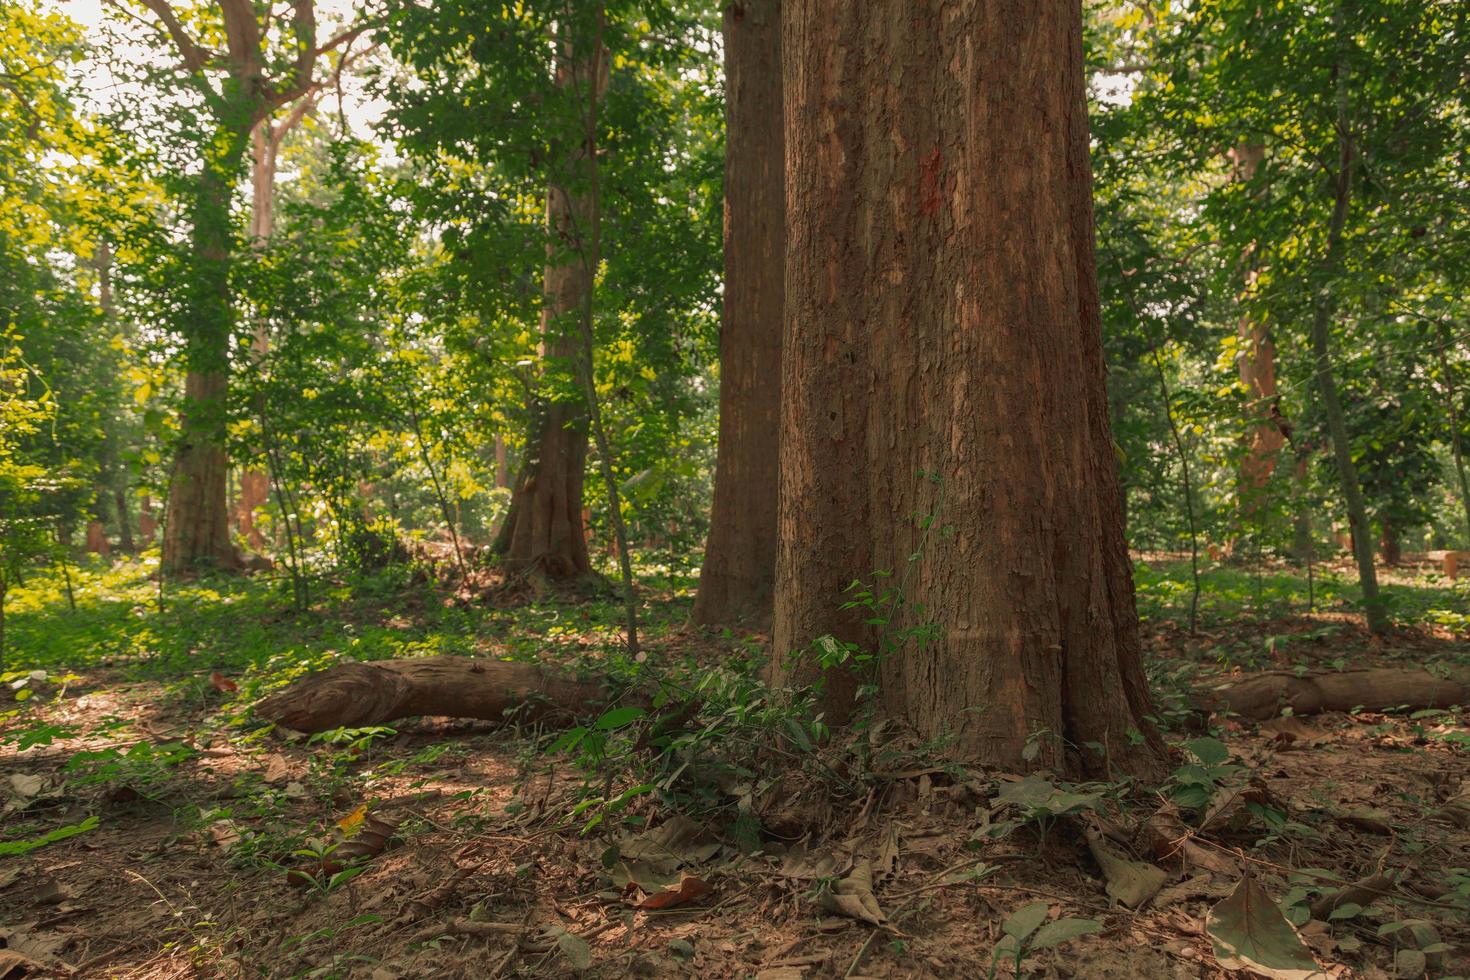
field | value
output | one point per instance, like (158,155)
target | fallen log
(357,695)
(1264,696)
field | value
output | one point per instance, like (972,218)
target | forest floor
(152,828)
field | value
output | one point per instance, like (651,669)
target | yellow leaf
(351,823)
(144,392)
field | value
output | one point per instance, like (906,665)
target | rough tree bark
(740,555)
(543,533)
(1388,541)
(196,529)
(358,694)
(942,316)
(1265,695)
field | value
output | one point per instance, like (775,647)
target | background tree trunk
(254,482)
(740,556)
(124,519)
(265,148)
(942,318)
(1388,541)
(1257,366)
(543,530)
(196,525)
(1325,308)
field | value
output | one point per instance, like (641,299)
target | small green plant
(1024,934)
(329,873)
(1037,800)
(42,734)
(883,606)
(1194,784)
(140,765)
(12,848)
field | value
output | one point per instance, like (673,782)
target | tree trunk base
(1264,696)
(357,695)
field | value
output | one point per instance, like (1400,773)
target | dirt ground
(482,874)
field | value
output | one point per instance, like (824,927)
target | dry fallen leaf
(1130,882)
(26,784)
(350,823)
(276,768)
(853,896)
(224,833)
(1370,819)
(690,889)
(41,947)
(364,837)
(1250,933)
(677,841)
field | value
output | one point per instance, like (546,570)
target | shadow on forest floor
(895,863)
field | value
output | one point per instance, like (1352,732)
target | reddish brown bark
(147,523)
(1388,542)
(196,529)
(97,539)
(1256,363)
(740,556)
(942,317)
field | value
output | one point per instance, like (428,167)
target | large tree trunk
(196,521)
(740,555)
(943,360)
(543,531)
(196,531)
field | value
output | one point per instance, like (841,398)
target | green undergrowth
(122,620)
(1232,594)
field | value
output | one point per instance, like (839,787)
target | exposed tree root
(360,694)
(1263,696)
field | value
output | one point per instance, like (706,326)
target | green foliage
(15,848)
(1037,801)
(1026,931)
(1194,243)
(1194,784)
